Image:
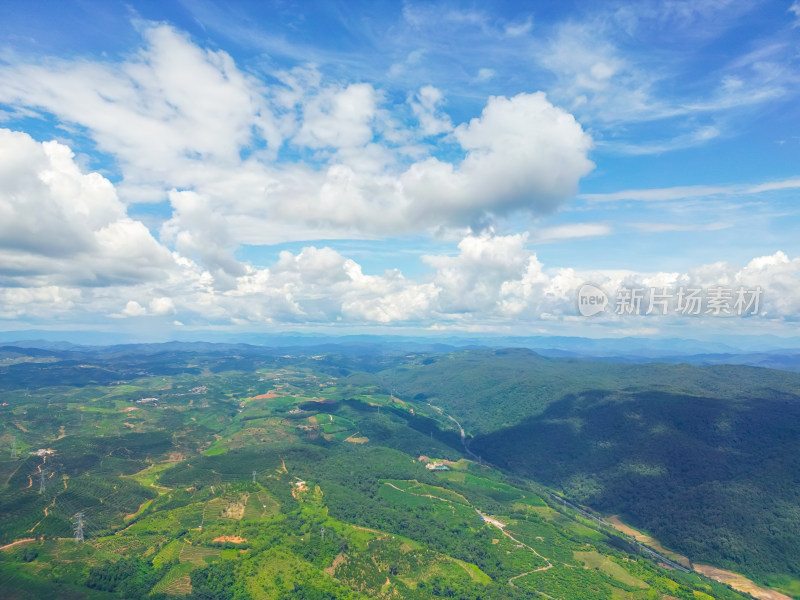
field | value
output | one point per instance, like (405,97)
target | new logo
(591,300)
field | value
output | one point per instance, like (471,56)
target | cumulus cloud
(522,152)
(525,148)
(321,285)
(60,225)
(500,277)
(339,118)
(44,302)
(186,123)
(133,309)
(471,281)
(491,280)
(162,306)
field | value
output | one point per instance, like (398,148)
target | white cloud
(59,225)
(179,119)
(204,234)
(522,152)
(497,277)
(134,309)
(412,60)
(471,281)
(158,112)
(339,118)
(45,302)
(596,77)
(157,307)
(426,104)
(162,306)
(320,285)
(492,279)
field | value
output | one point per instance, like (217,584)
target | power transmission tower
(42,474)
(14,453)
(78,526)
(254,476)
(322,532)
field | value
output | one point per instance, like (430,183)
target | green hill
(705,459)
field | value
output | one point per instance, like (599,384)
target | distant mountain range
(760,351)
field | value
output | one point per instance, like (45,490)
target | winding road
(502,528)
(491,521)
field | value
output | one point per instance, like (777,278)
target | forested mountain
(706,459)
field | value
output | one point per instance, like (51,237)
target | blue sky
(396,166)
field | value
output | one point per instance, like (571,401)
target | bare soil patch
(236,539)
(740,583)
(340,558)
